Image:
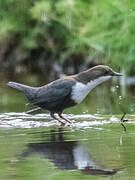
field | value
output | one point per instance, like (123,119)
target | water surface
(95,146)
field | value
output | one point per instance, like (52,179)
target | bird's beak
(117,74)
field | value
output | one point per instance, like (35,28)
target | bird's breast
(79,92)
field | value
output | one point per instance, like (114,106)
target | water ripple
(23,120)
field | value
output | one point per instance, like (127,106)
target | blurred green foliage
(93,28)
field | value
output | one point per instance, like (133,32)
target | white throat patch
(80,90)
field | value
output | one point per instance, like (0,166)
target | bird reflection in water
(66,155)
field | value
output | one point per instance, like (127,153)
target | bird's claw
(66,124)
(62,124)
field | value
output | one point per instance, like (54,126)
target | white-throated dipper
(66,91)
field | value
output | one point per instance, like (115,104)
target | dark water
(33,146)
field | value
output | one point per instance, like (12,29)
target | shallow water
(95,146)
(24,120)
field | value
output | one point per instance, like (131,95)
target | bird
(67,91)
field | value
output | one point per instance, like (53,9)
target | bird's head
(103,71)
(98,73)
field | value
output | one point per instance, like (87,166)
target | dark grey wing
(53,95)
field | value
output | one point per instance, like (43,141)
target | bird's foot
(62,124)
(66,124)
(71,124)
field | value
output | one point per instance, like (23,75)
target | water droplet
(120,97)
(113,89)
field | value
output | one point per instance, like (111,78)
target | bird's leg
(54,117)
(60,115)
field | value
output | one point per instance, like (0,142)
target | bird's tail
(27,90)
(18,86)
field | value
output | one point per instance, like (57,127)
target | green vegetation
(101,31)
